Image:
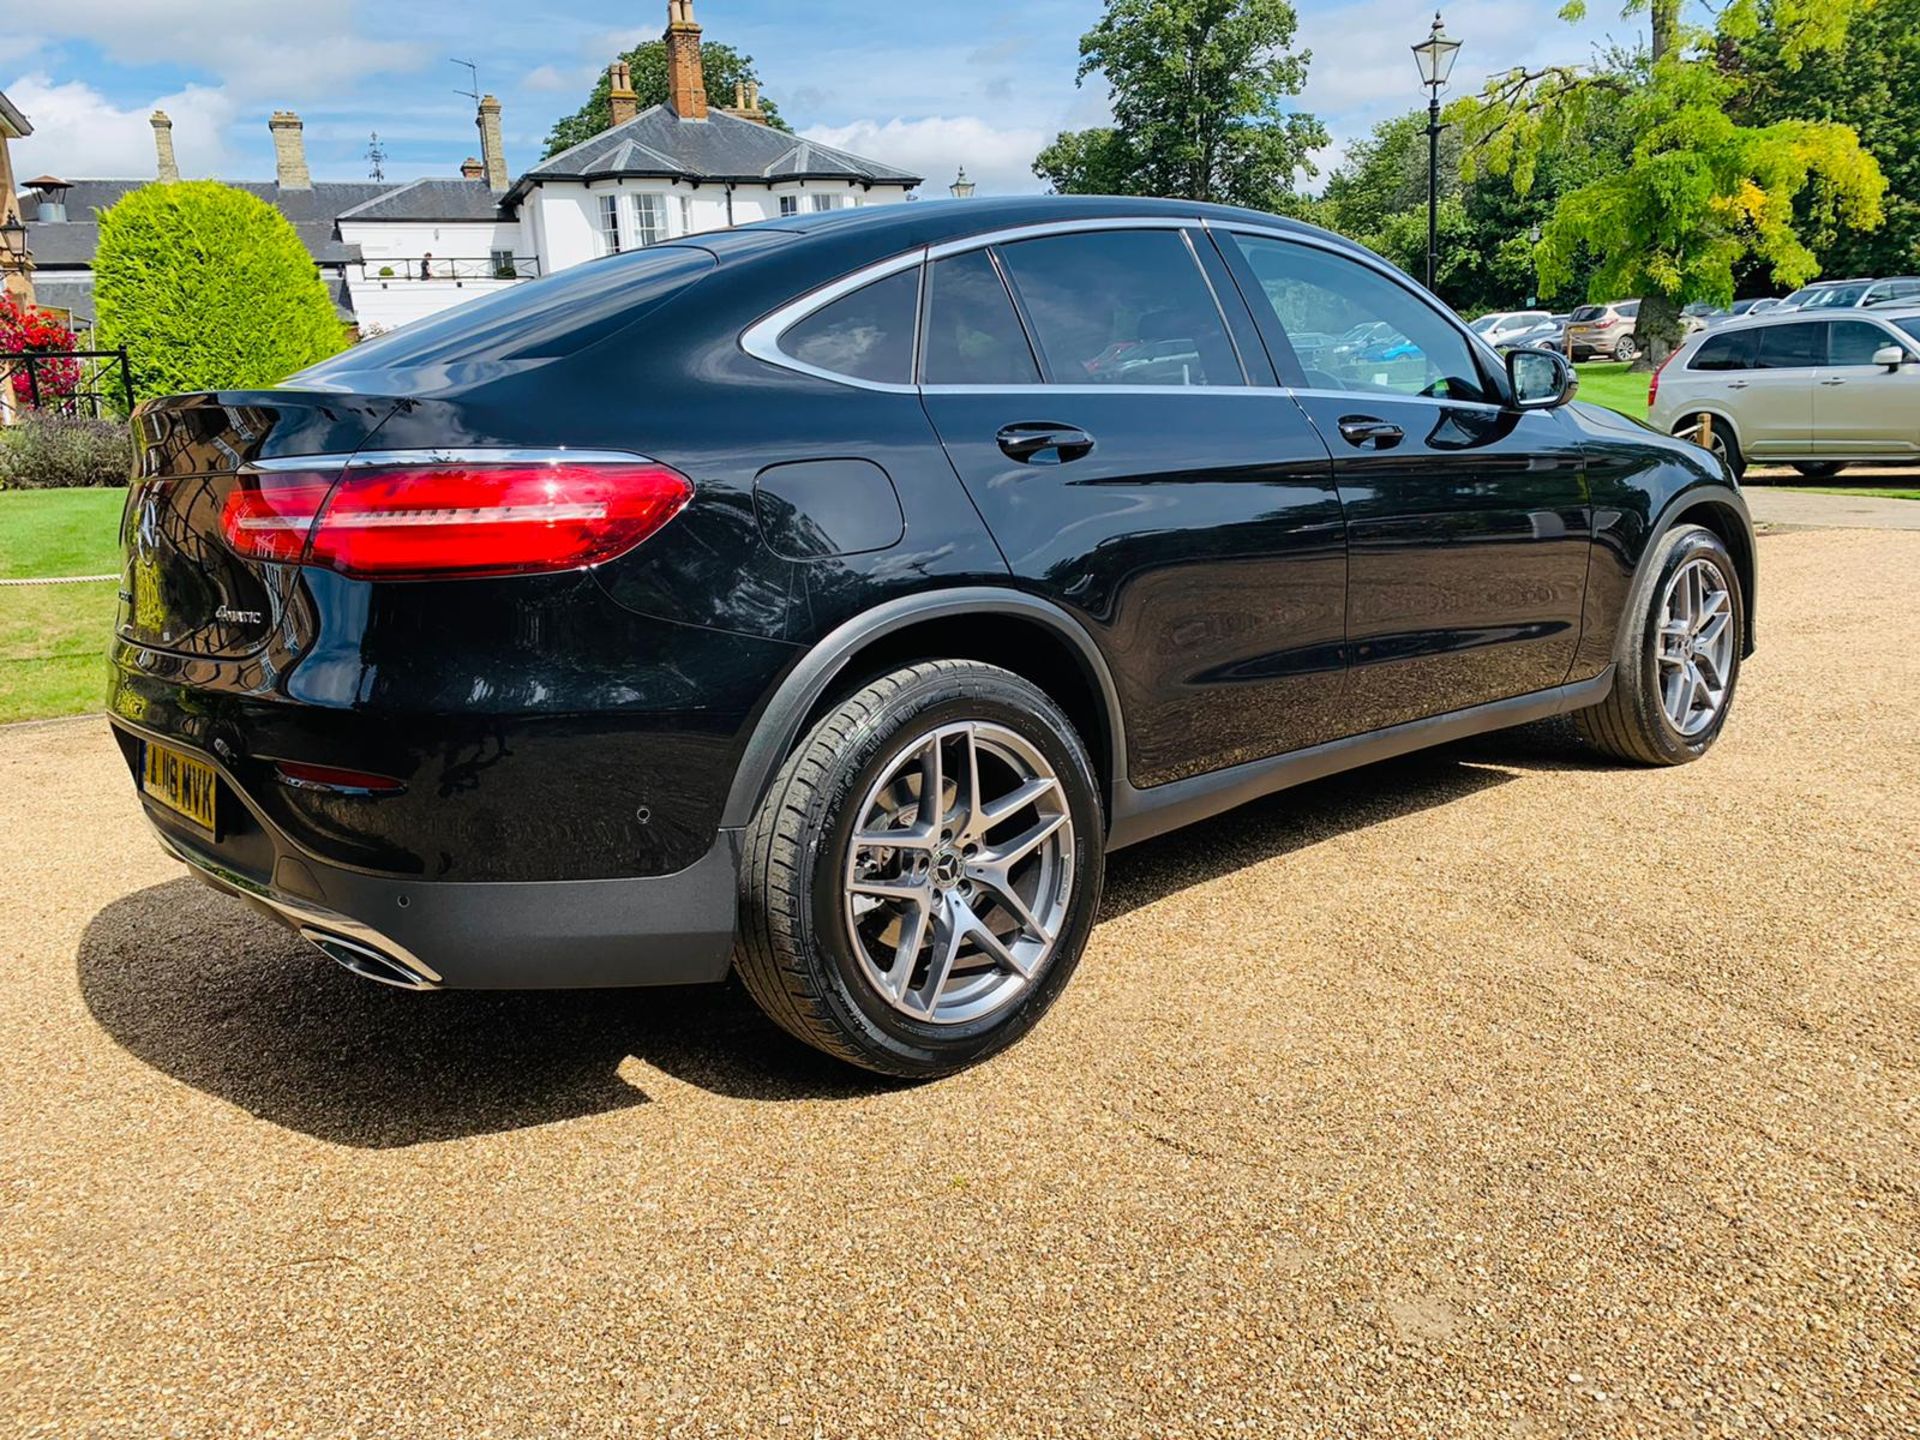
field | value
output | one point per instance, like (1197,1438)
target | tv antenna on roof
(376,157)
(473,78)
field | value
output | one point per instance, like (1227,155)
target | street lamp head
(1435,55)
(962,187)
(13,243)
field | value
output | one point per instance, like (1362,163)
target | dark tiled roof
(72,242)
(432,200)
(657,142)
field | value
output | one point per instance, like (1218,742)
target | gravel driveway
(1489,1093)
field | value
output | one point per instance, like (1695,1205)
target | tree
(1386,174)
(1700,193)
(1199,90)
(723,66)
(1872,83)
(209,289)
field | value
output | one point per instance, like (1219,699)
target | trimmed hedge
(209,289)
(51,451)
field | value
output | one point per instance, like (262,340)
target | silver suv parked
(1807,390)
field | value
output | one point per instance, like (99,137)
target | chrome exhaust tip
(365,961)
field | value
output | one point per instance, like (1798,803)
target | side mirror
(1891,356)
(1541,379)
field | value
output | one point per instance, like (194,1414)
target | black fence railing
(71,382)
(439,267)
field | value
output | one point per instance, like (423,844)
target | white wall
(384,240)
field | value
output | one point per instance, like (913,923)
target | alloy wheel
(959,873)
(1696,646)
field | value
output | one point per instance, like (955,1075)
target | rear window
(1732,351)
(543,319)
(1791,347)
(1588,312)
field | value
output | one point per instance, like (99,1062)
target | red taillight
(1653,385)
(457,519)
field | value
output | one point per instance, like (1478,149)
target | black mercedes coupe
(823,599)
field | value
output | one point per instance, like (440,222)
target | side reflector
(327,777)
(455,520)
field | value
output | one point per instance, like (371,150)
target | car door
(1773,404)
(1861,409)
(1091,395)
(1468,522)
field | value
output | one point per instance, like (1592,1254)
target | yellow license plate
(181,783)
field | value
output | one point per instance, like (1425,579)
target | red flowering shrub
(25,327)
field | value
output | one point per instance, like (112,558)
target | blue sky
(930,86)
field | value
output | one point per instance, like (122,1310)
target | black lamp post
(1435,56)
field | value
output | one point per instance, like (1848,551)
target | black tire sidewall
(1688,543)
(976,692)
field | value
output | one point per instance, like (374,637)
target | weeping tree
(1699,193)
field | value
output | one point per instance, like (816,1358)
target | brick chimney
(686,81)
(746,102)
(472,169)
(624,103)
(289,151)
(492,151)
(168,168)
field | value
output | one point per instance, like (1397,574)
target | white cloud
(270,48)
(78,133)
(999,161)
(547,78)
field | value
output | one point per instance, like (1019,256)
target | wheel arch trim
(778,726)
(1703,496)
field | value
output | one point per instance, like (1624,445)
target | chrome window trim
(1440,401)
(762,338)
(1418,294)
(1270,391)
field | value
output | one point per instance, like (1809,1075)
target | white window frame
(789,205)
(649,215)
(608,230)
(686,214)
(824,203)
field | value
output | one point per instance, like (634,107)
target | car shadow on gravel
(201,988)
(198,986)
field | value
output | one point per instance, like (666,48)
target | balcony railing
(450,267)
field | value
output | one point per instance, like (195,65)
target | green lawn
(59,532)
(1856,490)
(1610,385)
(53,638)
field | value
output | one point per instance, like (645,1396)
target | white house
(392,253)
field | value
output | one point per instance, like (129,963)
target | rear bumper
(672,929)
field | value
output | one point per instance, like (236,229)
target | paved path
(1773,506)
(1487,1095)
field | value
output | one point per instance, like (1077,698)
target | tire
(1725,443)
(812,939)
(1625,349)
(1821,469)
(1635,722)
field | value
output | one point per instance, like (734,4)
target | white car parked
(1787,388)
(1502,325)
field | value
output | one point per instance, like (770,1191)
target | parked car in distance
(1854,294)
(1604,330)
(1501,326)
(1547,334)
(1813,390)
(1740,308)
(822,600)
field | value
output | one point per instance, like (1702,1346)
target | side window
(973,335)
(867,335)
(1354,329)
(1852,342)
(1791,347)
(1630,309)
(1726,352)
(1122,307)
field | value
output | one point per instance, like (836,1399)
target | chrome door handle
(1833,382)
(1367,432)
(1738,384)
(1044,443)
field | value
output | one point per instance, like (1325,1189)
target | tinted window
(1122,307)
(1588,312)
(1790,347)
(1388,338)
(1912,327)
(1725,352)
(1631,309)
(1852,342)
(559,314)
(867,335)
(973,335)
